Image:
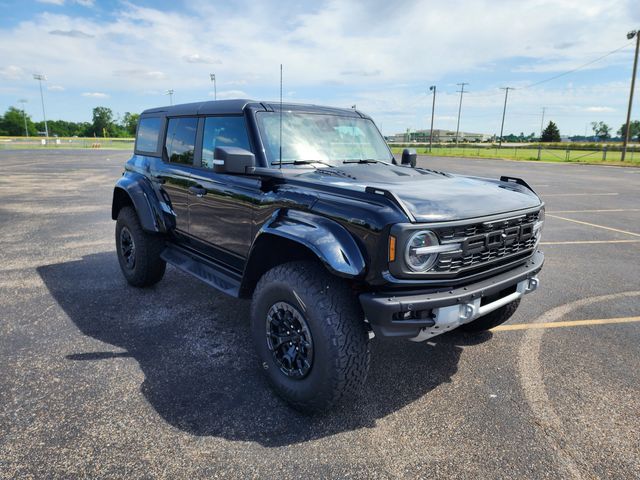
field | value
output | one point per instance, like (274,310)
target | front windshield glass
(327,139)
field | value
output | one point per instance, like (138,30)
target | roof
(237,106)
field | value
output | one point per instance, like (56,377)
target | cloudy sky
(380,55)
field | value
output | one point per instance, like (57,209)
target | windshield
(326,139)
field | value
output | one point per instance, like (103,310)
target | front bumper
(423,315)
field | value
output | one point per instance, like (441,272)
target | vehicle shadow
(201,374)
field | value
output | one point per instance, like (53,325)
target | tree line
(601,132)
(103,124)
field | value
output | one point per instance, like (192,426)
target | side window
(181,139)
(148,133)
(222,132)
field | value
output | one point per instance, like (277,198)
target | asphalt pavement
(102,380)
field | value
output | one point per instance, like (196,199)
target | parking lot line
(579,194)
(588,242)
(594,225)
(597,211)
(570,323)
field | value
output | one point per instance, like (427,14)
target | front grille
(484,243)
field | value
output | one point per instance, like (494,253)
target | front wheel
(490,320)
(310,335)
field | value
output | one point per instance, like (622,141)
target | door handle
(198,191)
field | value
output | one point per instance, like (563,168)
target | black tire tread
(343,322)
(150,267)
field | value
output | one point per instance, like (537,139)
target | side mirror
(233,160)
(409,157)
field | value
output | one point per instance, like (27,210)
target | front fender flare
(327,239)
(144,199)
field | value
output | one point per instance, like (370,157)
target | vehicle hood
(430,196)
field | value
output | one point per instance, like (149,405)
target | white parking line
(588,242)
(598,211)
(580,194)
(594,225)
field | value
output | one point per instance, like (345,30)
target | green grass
(524,153)
(24,143)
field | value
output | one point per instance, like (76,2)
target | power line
(577,68)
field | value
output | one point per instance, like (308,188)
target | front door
(221,205)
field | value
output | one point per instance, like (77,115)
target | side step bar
(203,269)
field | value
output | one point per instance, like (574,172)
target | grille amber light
(392,248)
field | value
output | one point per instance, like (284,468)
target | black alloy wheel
(289,340)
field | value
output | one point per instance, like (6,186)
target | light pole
(630,35)
(460,109)
(170,93)
(432,88)
(24,116)
(40,78)
(504,111)
(212,76)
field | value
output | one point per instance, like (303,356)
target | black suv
(305,210)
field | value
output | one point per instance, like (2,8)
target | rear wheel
(138,251)
(310,335)
(490,320)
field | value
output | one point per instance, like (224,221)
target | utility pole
(170,93)
(504,111)
(630,35)
(542,122)
(40,78)
(432,88)
(461,91)
(212,76)
(24,116)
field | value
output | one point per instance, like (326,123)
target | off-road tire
(336,322)
(490,320)
(148,268)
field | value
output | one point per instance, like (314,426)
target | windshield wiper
(363,160)
(301,162)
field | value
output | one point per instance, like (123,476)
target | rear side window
(148,133)
(181,139)
(222,132)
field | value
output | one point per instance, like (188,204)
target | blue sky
(380,55)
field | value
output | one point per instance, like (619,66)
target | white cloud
(225,94)
(600,109)
(56,88)
(52,2)
(12,72)
(95,95)
(71,33)
(197,58)
(84,3)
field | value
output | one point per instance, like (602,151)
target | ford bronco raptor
(305,210)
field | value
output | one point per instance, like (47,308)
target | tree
(130,122)
(634,130)
(103,124)
(12,123)
(601,130)
(551,133)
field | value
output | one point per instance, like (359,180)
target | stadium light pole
(460,108)
(504,111)
(24,116)
(170,93)
(212,76)
(432,88)
(630,35)
(40,78)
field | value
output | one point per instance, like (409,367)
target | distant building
(439,136)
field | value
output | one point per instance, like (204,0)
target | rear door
(178,157)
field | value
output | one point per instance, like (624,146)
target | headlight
(537,227)
(418,255)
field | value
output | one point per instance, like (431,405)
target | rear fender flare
(144,199)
